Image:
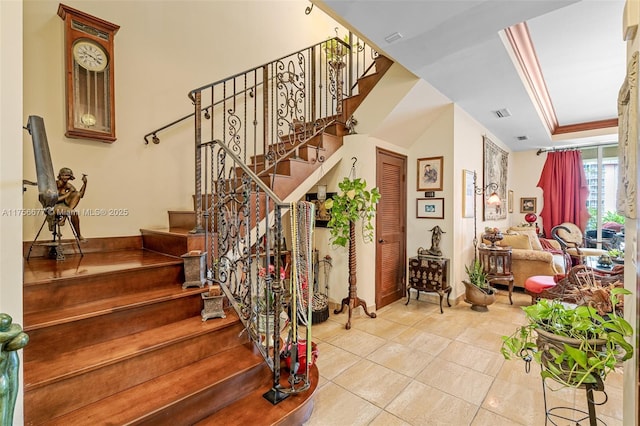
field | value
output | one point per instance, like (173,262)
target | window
(605,228)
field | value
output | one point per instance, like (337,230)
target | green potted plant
(335,49)
(574,345)
(354,202)
(478,292)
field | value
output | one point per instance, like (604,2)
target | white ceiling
(459,48)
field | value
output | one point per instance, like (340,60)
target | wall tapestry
(496,162)
(627,140)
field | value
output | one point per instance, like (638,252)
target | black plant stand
(573,415)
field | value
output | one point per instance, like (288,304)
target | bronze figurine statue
(68,199)
(12,338)
(435,241)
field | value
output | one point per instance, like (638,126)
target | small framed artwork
(430,208)
(323,216)
(527,205)
(510,202)
(468,193)
(430,174)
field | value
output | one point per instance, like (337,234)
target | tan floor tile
(484,338)
(487,418)
(333,360)
(400,358)
(327,329)
(422,341)
(407,315)
(521,404)
(335,406)
(456,380)
(441,325)
(358,342)
(380,327)
(373,382)
(387,419)
(420,404)
(477,359)
(514,371)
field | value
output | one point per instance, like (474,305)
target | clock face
(90,55)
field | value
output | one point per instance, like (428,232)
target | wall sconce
(322,193)
(493,199)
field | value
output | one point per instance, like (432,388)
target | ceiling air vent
(502,113)
(393,37)
(522,138)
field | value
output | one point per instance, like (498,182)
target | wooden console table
(496,262)
(429,274)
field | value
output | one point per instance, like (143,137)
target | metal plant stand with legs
(575,416)
(353,301)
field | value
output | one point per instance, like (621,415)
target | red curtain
(565,190)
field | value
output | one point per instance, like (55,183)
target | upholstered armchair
(572,241)
(528,257)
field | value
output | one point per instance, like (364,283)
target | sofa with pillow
(528,257)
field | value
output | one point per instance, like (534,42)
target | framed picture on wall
(430,174)
(323,216)
(468,193)
(496,161)
(527,205)
(430,208)
(510,201)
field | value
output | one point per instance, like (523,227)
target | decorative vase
(548,343)
(213,306)
(478,298)
(302,355)
(493,237)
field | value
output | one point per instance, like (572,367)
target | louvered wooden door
(391,238)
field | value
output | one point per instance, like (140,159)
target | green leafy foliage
(352,203)
(476,274)
(589,360)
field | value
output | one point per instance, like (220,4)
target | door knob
(381,240)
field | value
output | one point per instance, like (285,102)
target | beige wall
(162,50)
(11,169)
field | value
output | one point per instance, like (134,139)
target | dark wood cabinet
(496,262)
(429,274)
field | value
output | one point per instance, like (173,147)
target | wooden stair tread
(42,270)
(253,406)
(57,366)
(157,394)
(40,319)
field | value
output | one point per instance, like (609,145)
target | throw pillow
(533,236)
(516,241)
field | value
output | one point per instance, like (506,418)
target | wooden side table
(496,262)
(429,274)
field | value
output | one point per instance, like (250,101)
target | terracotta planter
(547,341)
(478,299)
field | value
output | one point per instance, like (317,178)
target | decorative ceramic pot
(493,237)
(478,298)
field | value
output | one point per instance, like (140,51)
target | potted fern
(574,344)
(478,293)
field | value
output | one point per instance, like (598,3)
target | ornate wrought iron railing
(255,119)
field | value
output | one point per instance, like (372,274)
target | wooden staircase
(114,339)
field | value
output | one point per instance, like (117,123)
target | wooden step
(95,322)
(56,386)
(182,219)
(180,397)
(90,245)
(294,410)
(83,279)
(174,242)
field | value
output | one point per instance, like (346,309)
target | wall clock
(89,73)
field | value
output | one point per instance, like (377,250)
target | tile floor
(414,366)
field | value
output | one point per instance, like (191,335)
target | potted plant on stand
(354,202)
(478,292)
(575,346)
